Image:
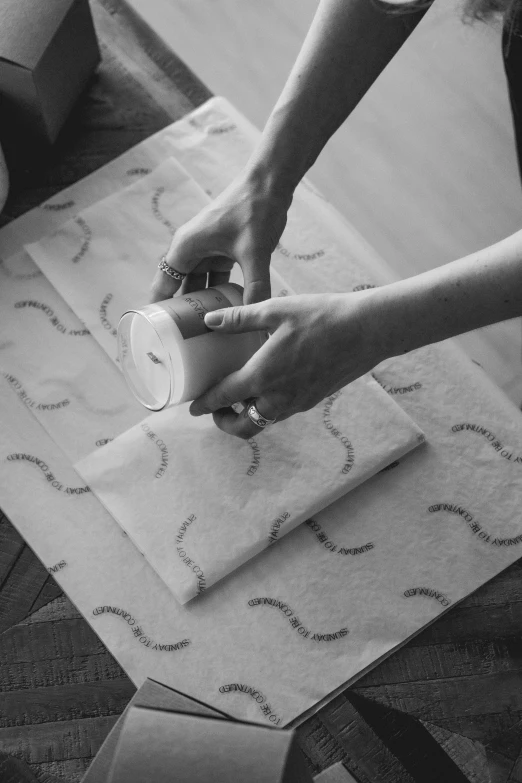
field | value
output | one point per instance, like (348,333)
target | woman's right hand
(243,224)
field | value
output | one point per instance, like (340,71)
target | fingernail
(214,318)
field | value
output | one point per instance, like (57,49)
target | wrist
(282,157)
(266,177)
(394,317)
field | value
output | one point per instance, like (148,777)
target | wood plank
(506,587)
(445,698)
(439,661)
(69,670)
(320,747)
(468,754)
(21,587)
(140,51)
(65,702)
(63,740)
(337,773)
(11,545)
(14,770)
(59,609)
(50,590)
(366,757)
(468,623)
(64,771)
(410,741)
(487,728)
(43,641)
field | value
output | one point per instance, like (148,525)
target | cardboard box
(150,694)
(172,747)
(48,50)
(164,735)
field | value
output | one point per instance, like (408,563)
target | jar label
(188,311)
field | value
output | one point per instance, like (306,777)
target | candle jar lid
(167,353)
(144,358)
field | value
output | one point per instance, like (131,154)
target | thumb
(256,279)
(244,318)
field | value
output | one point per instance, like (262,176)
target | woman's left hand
(318,343)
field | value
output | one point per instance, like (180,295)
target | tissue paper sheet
(102,262)
(253,492)
(277,639)
(56,367)
(199,503)
(250,489)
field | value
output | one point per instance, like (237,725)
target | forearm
(347,46)
(477,290)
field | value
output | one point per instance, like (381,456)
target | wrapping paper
(250,490)
(54,365)
(277,639)
(102,261)
(199,503)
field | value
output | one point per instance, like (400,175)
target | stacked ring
(257,418)
(170,271)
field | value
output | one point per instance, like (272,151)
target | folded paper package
(154,695)
(284,633)
(199,503)
(155,744)
(152,740)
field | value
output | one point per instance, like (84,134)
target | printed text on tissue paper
(57,567)
(51,478)
(156,211)
(256,457)
(428,592)
(195,568)
(22,394)
(53,319)
(86,240)
(103,316)
(276,526)
(266,709)
(474,526)
(295,621)
(162,446)
(348,465)
(495,443)
(138,631)
(328,544)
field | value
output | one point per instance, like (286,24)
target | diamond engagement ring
(256,418)
(170,271)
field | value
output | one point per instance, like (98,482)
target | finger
(241,425)
(256,274)
(196,281)
(183,255)
(163,287)
(235,387)
(217,278)
(243,318)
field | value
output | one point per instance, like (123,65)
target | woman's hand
(318,343)
(243,224)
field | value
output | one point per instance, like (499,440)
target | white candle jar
(169,356)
